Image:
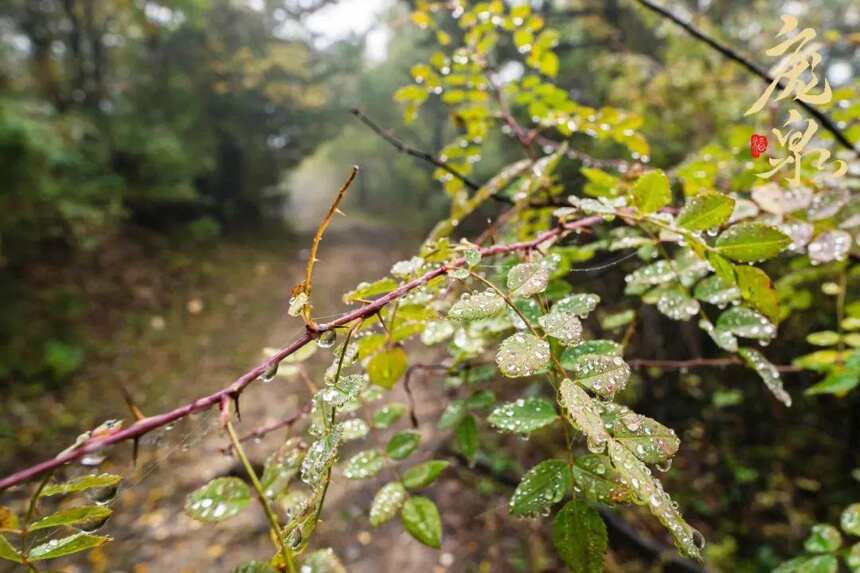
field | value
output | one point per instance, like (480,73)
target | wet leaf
(477,306)
(574,353)
(81,517)
(346,389)
(522,354)
(436,331)
(648,440)
(823,538)
(747,323)
(583,414)
(594,477)
(402,444)
(714,290)
(298,304)
(364,464)
(323,561)
(220,499)
(750,242)
(768,372)
(850,520)
(757,289)
(423,474)
(527,279)
(580,304)
(564,327)
(320,457)
(579,537)
(81,484)
(654,274)
(602,374)
(706,211)
(421,519)
(541,487)
(388,415)
(649,491)
(386,368)
(830,246)
(652,192)
(66,546)
(523,416)
(676,304)
(387,502)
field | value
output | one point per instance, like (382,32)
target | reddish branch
(232,392)
(731,54)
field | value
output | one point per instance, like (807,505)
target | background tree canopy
(163,166)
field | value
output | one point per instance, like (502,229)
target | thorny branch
(233,391)
(728,52)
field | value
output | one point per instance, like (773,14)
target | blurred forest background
(161,164)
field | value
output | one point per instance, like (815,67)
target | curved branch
(700,363)
(731,54)
(232,392)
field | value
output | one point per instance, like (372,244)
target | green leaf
(706,211)
(421,519)
(522,354)
(714,290)
(563,326)
(723,268)
(281,467)
(220,499)
(475,306)
(649,490)
(675,303)
(580,304)
(652,192)
(757,289)
(66,546)
(387,367)
(850,520)
(750,242)
(453,413)
(423,474)
(8,551)
(579,537)
(8,519)
(82,517)
(320,457)
(365,291)
(254,567)
(402,444)
(648,440)
(839,382)
(852,558)
(523,416)
(823,338)
(527,279)
(594,477)
(480,400)
(323,561)
(582,413)
(813,564)
(81,484)
(602,374)
(541,487)
(387,502)
(823,538)
(466,434)
(768,372)
(364,464)
(598,346)
(388,414)
(346,389)
(745,322)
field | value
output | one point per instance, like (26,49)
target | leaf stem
(258,487)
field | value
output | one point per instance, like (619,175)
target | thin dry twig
(757,70)
(700,363)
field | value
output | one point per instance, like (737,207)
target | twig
(273,427)
(312,258)
(413,418)
(728,52)
(402,147)
(232,391)
(700,363)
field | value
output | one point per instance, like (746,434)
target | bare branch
(700,363)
